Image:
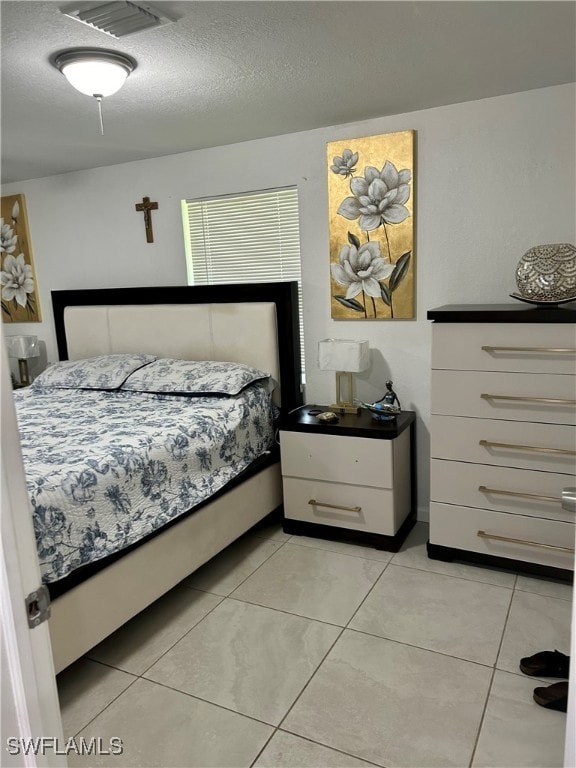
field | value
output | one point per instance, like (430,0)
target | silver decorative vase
(546,274)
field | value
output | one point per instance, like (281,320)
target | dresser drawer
(350,506)
(354,460)
(512,396)
(503,489)
(458,527)
(543,447)
(524,347)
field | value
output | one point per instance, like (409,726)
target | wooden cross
(147,207)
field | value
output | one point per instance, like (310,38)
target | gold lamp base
(345,408)
(344,383)
(23,371)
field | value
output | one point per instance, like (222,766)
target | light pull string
(98,98)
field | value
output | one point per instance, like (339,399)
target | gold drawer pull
(315,503)
(553,350)
(519,495)
(484,535)
(518,398)
(536,448)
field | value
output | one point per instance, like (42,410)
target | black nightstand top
(361,425)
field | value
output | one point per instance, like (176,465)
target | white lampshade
(343,355)
(22,347)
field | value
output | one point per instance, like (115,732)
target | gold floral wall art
(371,223)
(19,290)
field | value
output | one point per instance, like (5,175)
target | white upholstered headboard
(240,333)
(259,333)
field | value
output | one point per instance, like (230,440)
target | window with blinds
(249,238)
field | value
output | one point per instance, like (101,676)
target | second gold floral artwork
(371,222)
(19,288)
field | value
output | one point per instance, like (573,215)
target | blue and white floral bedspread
(104,469)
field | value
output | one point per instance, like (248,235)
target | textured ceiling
(231,71)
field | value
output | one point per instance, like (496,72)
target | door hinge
(38,606)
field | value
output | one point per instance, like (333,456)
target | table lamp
(23,348)
(345,357)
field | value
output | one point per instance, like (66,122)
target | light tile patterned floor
(291,652)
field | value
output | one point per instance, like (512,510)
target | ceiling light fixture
(94,72)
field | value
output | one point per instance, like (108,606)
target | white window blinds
(250,238)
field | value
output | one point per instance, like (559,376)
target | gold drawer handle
(315,503)
(484,535)
(519,495)
(518,398)
(536,448)
(553,350)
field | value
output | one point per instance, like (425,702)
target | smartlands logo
(42,745)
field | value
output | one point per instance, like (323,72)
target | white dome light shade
(95,72)
(95,78)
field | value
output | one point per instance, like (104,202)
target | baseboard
(450,554)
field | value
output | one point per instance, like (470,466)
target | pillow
(102,372)
(193,377)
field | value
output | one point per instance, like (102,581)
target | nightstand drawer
(527,347)
(342,506)
(542,447)
(353,460)
(503,489)
(548,398)
(547,542)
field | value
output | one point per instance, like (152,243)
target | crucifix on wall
(146,207)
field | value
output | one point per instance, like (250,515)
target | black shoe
(546,664)
(553,696)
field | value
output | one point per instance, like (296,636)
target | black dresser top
(503,313)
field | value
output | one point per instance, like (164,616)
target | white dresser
(503,436)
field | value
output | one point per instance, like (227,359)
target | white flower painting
(19,290)
(370,190)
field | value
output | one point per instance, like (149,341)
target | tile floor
(288,652)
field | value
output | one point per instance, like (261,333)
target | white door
(30,708)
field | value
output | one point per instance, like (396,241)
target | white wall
(493,177)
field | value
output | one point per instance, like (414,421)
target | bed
(255,325)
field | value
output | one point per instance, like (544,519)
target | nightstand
(352,479)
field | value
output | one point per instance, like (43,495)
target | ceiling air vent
(118,18)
